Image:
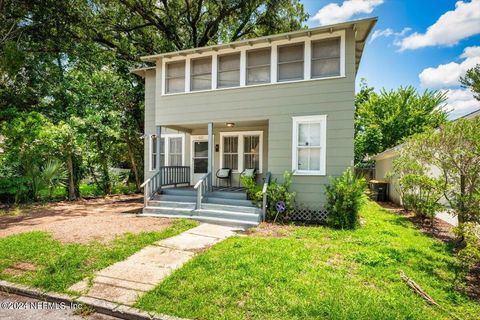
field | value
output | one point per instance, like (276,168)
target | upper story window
(201,74)
(175,77)
(258,66)
(290,62)
(326,58)
(228,71)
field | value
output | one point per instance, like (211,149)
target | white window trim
(240,135)
(273,62)
(166,144)
(322,119)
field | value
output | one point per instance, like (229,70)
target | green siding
(278,103)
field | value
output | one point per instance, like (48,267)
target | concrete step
(230,202)
(213,220)
(171,204)
(223,207)
(176,198)
(179,191)
(228,215)
(228,195)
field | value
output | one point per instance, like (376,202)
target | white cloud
(460,102)
(388,33)
(447,75)
(449,29)
(334,13)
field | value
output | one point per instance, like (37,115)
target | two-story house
(259,106)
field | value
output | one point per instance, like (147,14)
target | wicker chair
(250,172)
(224,174)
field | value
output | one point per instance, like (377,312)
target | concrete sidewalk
(124,281)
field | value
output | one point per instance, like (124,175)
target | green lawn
(318,273)
(58,266)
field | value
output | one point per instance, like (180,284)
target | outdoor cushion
(248,173)
(223,173)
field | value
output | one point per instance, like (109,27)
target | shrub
(344,198)
(276,192)
(469,255)
(421,194)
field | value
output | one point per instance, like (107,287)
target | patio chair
(224,174)
(251,172)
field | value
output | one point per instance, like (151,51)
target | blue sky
(440,40)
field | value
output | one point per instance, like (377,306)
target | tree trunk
(72,195)
(133,162)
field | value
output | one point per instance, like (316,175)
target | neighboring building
(384,165)
(277,103)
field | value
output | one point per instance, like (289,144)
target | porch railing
(268,177)
(202,187)
(174,175)
(150,187)
(170,176)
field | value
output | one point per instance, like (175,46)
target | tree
(471,80)
(383,120)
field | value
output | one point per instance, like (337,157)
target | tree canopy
(65,90)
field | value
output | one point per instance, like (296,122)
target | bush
(276,192)
(421,194)
(469,256)
(344,198)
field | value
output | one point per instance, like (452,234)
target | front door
(199,164)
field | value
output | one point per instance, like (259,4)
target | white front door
(199,163)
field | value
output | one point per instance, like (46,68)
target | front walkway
(124,281)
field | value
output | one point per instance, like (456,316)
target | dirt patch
(271,230)
(81,221)
(20,268)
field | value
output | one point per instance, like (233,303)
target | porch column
(159,152)
(210,154)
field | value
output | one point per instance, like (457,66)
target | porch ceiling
(218,125)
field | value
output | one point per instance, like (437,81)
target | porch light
(230,124)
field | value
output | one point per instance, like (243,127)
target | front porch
(199,177)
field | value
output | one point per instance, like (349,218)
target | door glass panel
(201,149)
(200,165)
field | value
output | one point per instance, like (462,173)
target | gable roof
(361,27)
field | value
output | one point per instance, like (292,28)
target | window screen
(290,62)
(258,66)
(175,77)
(228,71)
(251,152)
(326,58)
(175,152)
(201,74)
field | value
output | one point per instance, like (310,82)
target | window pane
(201,74)
(258,57)
(176,69)
(230,161)
(175,159)
(201,66)
(203,82)
(230,144)
(175,85)
(228,79)
(258,75)
(154,144)
(200,165)
(175,145)
(162,151)
(309,134)
(201,149)
(251,144)
(326,68)
(290,71)
(290,53)
(229,62)
(326,49)
(314,134)
(303,134)
(251,161)
(309,159)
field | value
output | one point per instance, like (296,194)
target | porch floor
(218,188)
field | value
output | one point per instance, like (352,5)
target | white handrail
(150,186)
(201,187)
(265,195)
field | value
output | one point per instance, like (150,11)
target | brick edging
(100,306)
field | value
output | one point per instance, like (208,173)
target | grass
(58,265)
(318,273)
